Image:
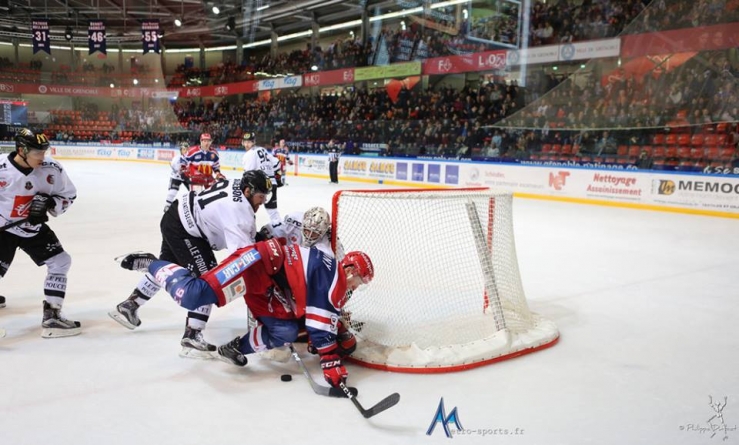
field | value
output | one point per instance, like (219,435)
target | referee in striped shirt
(333,161)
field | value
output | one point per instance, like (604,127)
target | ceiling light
(135,81)
(314,68)
(112,85)
(177,22)
(216,10)
(231,24)
(68,34)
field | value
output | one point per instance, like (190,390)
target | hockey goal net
(447,293)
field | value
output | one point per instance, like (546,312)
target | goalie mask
(316,224)
(184,147)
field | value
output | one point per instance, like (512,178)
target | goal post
(447,293)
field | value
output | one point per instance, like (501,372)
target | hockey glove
(346,341)
(40,205)
(333,370)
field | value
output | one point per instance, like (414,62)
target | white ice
(646,304)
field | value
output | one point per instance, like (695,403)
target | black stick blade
(382,405)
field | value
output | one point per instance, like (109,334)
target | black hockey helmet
(27,140)
(249,136)
(257,181)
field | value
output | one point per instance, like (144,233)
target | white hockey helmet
(316,223)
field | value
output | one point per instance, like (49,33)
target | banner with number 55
(96,36)
(150,35)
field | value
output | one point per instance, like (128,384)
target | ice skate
(126,313)
(230,353)
(138,261)
(2,301)
(195,346)
(55,325)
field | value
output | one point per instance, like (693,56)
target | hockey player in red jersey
(280,284)
(282,153)
(201,163)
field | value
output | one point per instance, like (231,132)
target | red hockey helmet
(362,264)
(205,137)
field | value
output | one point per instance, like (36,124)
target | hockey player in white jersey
(221,217)
(32,186)
(177,175)
(259,158)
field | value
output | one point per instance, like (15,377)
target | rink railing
(694,193)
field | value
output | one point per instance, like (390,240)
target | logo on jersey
(3,184)
(21,205)
(238,265)
(50,179)
(235,290)
(29,186)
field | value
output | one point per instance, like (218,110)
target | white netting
(429,306)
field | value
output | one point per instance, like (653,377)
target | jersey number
(207,196)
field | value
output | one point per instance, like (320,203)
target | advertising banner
(485,61)
(701,38)
(283,82)
(387,71)
(335,77)
(706,194)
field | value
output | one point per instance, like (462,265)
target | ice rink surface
(646,304)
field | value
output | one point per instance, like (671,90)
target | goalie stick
(382,405)
(318,388)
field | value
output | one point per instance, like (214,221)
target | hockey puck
(286,377)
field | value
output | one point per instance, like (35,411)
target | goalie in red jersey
(280,284)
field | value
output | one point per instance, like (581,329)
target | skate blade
(2,305)
(117,316)
(197,354)
(58,333)
(227,360)
(2,333)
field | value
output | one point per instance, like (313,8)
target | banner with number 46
(96,37)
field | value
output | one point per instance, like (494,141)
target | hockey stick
(382,405)
(13,224)
(318,388)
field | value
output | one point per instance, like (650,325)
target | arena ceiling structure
(185,22)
